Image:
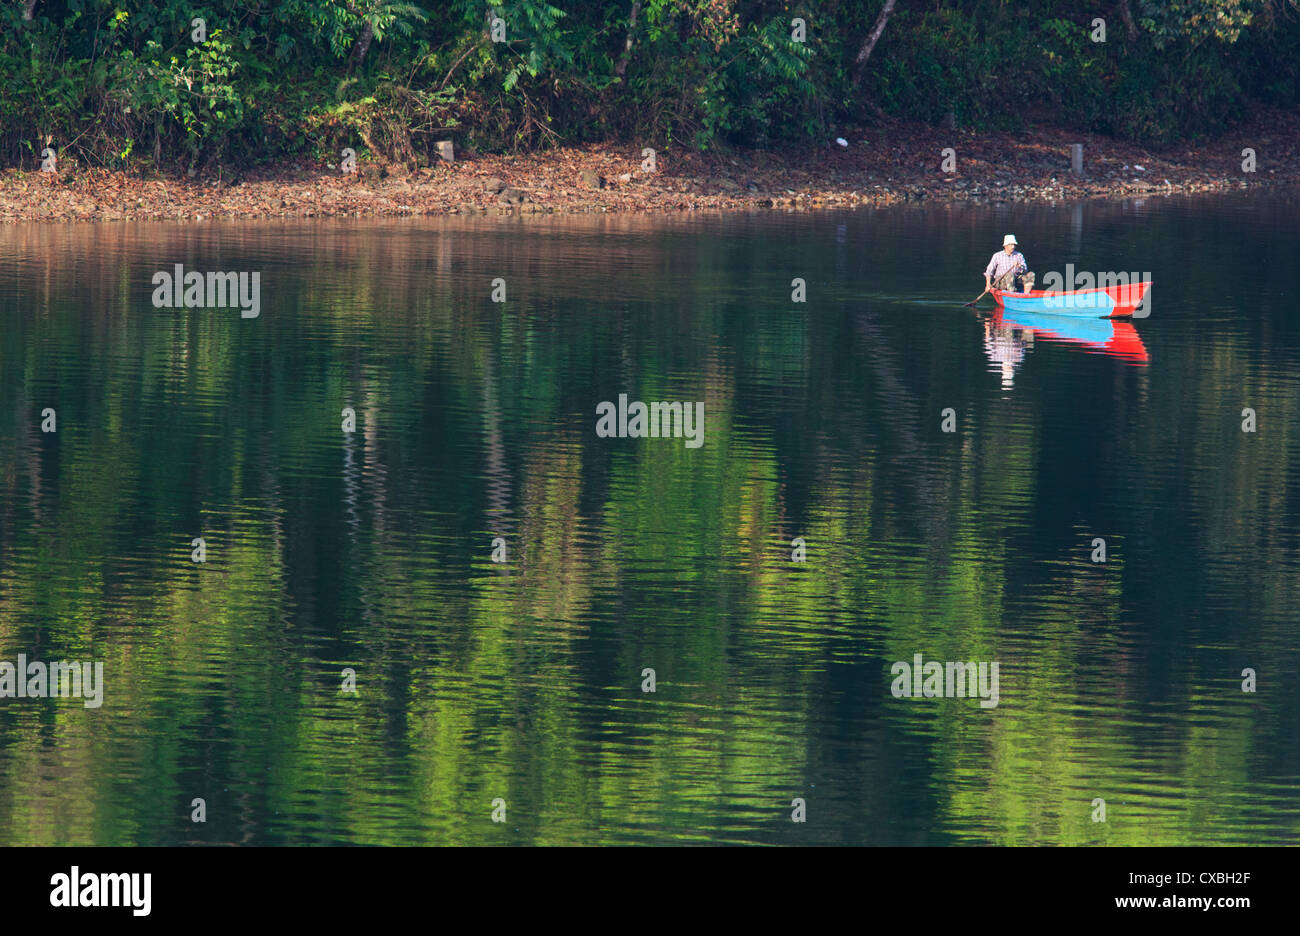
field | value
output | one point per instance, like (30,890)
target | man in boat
(1008,270)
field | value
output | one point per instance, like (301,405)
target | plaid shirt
(1002,264)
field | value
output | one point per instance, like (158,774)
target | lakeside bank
(882,165)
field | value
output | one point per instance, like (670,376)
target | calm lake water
(523,680)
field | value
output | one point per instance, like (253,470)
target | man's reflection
(1006,346)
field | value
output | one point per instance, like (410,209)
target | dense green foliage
(111,82)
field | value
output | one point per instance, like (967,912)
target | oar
(980,296)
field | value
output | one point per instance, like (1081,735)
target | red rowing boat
(1108,302)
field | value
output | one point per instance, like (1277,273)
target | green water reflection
(523,680)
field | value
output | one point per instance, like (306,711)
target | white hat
(1009,239)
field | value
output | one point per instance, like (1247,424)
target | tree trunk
(1126,14)
(865,52)
(29,10)
(621,67)
(363,46)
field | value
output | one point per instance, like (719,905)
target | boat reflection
(1009,336)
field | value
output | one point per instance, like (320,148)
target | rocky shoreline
(881,165)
